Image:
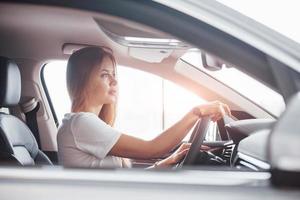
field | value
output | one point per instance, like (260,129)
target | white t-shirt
(84,140)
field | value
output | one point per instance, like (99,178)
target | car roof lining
(54,27)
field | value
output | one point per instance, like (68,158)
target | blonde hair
(79,70)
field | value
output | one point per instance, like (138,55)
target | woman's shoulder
(71,119)
(79,116)
(84,118)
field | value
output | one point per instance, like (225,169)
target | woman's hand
(215,109)
(177,156)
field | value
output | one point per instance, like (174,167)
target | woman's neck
(92,109)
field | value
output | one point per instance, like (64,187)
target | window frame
(44,85)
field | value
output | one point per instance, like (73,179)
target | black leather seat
(17,143)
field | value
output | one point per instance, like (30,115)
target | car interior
(34,35)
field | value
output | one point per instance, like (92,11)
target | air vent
(227,152)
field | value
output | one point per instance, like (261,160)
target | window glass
(249,87)
(55,79)
(140,103)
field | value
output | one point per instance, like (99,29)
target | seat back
(17,143)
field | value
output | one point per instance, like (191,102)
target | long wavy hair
(80,66)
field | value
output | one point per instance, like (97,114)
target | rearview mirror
(210,62)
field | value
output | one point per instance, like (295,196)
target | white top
(84,140)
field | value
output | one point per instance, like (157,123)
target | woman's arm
(131,147)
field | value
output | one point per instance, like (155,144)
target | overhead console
(143,43)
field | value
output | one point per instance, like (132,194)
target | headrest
(10,83)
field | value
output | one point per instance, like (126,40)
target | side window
(147,104)
(55,81)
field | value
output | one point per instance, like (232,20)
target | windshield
(281,16)
(242,83)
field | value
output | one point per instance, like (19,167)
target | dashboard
(251,139)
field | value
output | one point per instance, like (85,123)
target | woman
(87,138)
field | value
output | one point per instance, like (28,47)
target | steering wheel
(196,139)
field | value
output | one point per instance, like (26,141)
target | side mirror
(284,146)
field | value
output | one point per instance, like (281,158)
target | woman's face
(102,86)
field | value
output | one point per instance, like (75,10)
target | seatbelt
(30,109)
